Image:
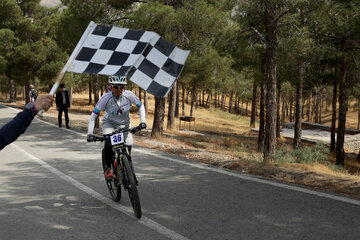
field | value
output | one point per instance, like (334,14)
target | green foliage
(307,155)
(27,51)
(155,17)
(310,155)
(10,13)
(284,155)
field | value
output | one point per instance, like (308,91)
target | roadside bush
(312,155)
(284,155)
(307,155)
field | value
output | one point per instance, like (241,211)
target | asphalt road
(52,187)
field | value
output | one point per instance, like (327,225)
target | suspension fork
(117,165)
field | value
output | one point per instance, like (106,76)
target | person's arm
(135,100)
(92,119)
(17,126)
(100,106)
(142,114)
(67,99)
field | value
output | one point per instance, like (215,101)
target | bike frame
(119,151)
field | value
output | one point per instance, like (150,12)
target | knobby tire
(132,189)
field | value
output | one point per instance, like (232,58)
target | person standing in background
(62,105)
(33,94)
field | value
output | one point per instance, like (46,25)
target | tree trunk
(26,91)
(183,100)
(358,124)
(271,106)
(177,100)
(13,91)
(219,101)
(207,101)
(320,108)
(246,108)
(236,104)
(342,113)
(203,99)
(90,91)
(171,109)
(298,107)
(291,109)
(242,108)
(196,99)
(309,107)
(284,104)
(253,105)
(192,101)
(358,157)
(261,136)
(223,102)
(317,105)
(215,101)
(158,125)
(231,101)
(333,119)
(278,122)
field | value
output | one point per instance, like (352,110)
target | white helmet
(117,80)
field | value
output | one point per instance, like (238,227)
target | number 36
(117,138)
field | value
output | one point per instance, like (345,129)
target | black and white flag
(143,57)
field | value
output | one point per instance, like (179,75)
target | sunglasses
(118,87)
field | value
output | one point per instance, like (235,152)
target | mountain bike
(122,168)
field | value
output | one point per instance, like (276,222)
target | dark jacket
(17,126)
(59,99)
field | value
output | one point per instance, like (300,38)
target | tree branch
(284,12)
(118,19)
(259,34)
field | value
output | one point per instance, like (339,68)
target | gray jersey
(117,109)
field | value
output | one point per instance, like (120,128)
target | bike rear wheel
(131,187)
(113,184)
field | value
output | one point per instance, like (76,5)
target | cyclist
(117,104)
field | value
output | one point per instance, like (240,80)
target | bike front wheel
(131,187)
(112,184)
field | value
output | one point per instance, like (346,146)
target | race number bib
(117,139)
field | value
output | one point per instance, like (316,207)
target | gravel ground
(352,142)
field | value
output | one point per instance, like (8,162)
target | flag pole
(71,58)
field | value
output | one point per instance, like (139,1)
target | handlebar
(96,138)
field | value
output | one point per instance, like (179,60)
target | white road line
(253,179)
(144,220)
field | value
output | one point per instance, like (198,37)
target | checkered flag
(144,57)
